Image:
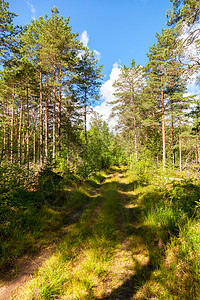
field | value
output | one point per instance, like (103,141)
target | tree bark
(135,126)
(154,127)
(54,113)
(4,129)
(23,137)
(59,113)
(8,134)
(85,117)
(180,141)
(41,121)
(20,132)
(198,148)
(16,134)
(12,128)
(172,128)
(34,139)
(163,120)
(27,132)
(46,124)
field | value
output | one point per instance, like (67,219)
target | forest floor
(104,252)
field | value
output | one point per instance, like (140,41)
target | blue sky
(119,30)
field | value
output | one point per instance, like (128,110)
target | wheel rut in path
(27,266)
(130,263)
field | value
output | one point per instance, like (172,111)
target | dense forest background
(49,83)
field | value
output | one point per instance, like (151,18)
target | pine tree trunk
(196,153)
(23,137)
(163,121)
(34,139)
(8,133)
(12,129)
(68,138)
(41,121)
(27,140)
(135,126)
(54,113)
(16,135)
(198,148)
(4,129)
(68,122)
(59,113)
(154,127)
(172,127)
(85,116)
(180,142)
(20,131)
(46,124)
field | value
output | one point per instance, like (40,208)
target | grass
(32,217)
(171,212)
(83,259)
(131,240)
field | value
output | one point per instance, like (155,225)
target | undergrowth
(171,211)
(82,260)
(148,225)
(34,207)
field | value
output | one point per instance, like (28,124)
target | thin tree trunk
(68,138)
(4,130)
(23,137)
(154,127)
(135,126)
(34,140)
(41,121)
(196,153)
(198,148)
(146,134)
(16,135)
(172,127)
(85,116)
(20,131)
(12,128)
(8,133)
(46,124)
(59,113)
(27,140)
(163,121)
(154,130)
(180,142)
(54,113)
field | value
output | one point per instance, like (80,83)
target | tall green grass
(30,216)
(82,261)
(171,213)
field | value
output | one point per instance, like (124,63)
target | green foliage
(103,149)
(144,166)
(186,195)
(84,257)
(172,214)
(34,207)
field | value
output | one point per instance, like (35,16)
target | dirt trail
(26,268)
(130,260)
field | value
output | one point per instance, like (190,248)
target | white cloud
(107,90)
(32,8)
(97,53)
(84,38)
(104,110)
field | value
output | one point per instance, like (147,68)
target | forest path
(126,265)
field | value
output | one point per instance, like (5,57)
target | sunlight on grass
(130,241)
